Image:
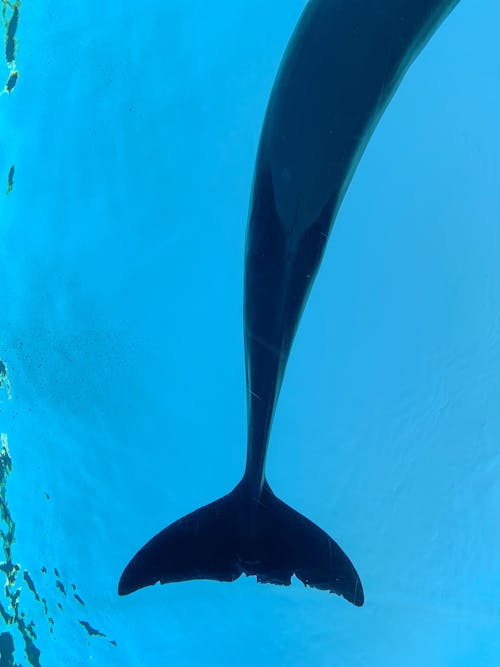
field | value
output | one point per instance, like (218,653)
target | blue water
(133,130)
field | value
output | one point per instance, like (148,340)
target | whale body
(342,65)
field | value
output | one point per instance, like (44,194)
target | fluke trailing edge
(341,68)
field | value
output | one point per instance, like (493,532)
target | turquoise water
(133,131)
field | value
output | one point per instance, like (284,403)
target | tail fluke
(236,535)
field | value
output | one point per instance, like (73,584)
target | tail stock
(237,534)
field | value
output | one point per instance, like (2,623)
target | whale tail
(236,535)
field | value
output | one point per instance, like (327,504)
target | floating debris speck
(61,587)
(4,379)
(11,82)
(10,35)
(10,179)
(31,585)
(92,631)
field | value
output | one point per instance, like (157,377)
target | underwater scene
(207,207)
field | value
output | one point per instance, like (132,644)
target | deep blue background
(133,130)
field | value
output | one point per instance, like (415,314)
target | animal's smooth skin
(341,68)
